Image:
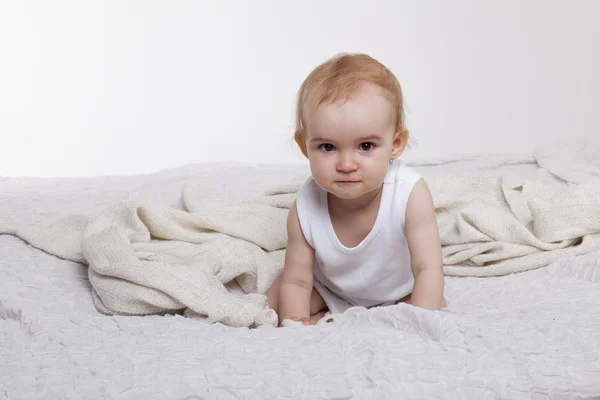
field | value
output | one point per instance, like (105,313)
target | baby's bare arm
(425,249)
(297,277)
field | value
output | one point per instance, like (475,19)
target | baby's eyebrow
(362,139)
(371,137)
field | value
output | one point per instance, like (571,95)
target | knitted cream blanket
(214,264)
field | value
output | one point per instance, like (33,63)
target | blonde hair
(341,77)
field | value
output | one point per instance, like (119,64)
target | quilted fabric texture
(534,334)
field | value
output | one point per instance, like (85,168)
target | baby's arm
(297,277)
(425,249)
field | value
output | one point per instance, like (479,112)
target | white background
(122,87)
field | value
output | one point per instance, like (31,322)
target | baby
(363,230)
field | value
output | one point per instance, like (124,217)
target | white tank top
(375,272)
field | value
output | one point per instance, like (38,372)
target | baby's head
(350,124)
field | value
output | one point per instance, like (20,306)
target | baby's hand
(297,321)
(304,320)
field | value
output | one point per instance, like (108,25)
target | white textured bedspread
(530,335)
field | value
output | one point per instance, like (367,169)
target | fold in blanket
(214,264)
(489,228)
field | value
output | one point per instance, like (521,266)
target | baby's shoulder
(402,175)
(308,196)
(308,188)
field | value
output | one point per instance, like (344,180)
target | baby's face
(349,144)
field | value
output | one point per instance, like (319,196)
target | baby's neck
(339,206)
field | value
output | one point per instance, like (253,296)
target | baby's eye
(366,146)
(327,147)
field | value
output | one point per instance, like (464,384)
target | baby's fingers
(303,320)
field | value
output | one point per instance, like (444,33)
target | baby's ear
(400,142)
(300,139)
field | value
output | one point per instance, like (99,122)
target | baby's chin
(348,191)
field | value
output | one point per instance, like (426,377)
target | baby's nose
(346,163)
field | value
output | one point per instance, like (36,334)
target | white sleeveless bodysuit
(375,272)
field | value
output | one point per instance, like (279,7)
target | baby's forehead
(340,94)
(364,116)
(367,106)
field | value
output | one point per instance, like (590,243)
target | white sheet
(528,335)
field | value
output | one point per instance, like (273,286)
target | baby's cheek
(383,170)
(376,177)
(321,181)
(320,174)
